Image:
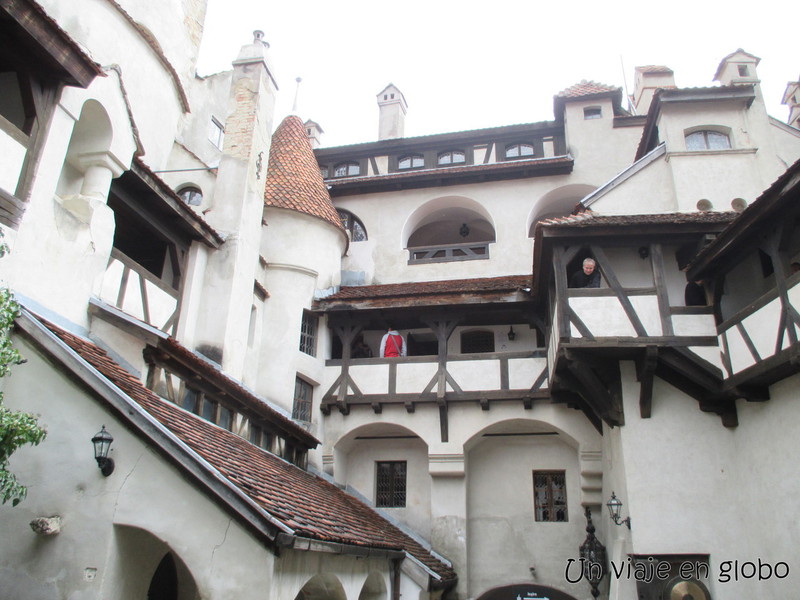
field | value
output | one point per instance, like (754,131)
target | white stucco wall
(144,492)
(687,474)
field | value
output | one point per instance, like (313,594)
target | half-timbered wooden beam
(646,370)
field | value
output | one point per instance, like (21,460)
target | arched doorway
(164,584)
(525,591)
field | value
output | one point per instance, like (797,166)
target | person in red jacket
(392,344)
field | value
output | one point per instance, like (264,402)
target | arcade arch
(148,568)
(324,586)
(448,220)
(374,588)
(559,202)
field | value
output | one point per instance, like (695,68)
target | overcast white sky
(467,64)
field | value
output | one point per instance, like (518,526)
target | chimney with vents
(314,132)
(393,107)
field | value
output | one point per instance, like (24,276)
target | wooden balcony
(759,343)
(134,290)
(479,379)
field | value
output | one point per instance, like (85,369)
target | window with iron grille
(302,400)
(308,334)
(550,496)
(477,341)
(390,483)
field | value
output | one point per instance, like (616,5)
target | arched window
(707,139)
(353,225)
(451,157)
(477,341)
(191,195)
(411,161)
(347,169)
(519,150)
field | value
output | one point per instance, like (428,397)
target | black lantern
(614,507)
(593,556)
(102,444)
(464,231)
(511,335)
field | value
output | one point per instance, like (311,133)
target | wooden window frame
(309,331)
(303,400)
(352,169)
(451,154)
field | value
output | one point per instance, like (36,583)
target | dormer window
(451,157)
(519,150)
(411,161)
(592,112)
(743,70)
(707,139)
(347,169)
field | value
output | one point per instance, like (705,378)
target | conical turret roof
(293,177)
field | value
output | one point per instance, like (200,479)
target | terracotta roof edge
(127,409)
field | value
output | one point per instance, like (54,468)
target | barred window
(308,334)
(477,341)
(302,400)
(391,484)
(550,496)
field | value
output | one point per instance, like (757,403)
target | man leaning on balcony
(588,277)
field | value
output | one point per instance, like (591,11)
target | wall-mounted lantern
(511,334)
(102,444)
(614,507)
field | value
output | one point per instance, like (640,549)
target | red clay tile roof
(307,504)
(293,177)
(591,219)
(424,288)
(654,69)
(586,88)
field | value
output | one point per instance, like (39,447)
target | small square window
(592,112)
(550,496)
(743,70)
(390,484)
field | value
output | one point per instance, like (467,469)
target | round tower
(302,244)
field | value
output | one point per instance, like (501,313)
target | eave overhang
(48,44)
(170,352)
(461,175)
(623,230)
(166,203)
(426,142)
